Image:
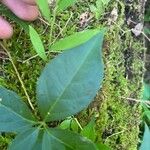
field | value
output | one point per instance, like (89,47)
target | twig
(136,100)
(38,55)
(62,29)
(76,120)
(18,75)
(146,36)
(114,135)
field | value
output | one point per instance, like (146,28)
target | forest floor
(118,115)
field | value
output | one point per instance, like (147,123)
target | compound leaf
(14,114)
(70,81)
(52,139)
(37,43)
(146,143)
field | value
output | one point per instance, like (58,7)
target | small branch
(146,36)
(136,100)
(62,29)
(76,120)
(18,75)
(52,23)
(38,55)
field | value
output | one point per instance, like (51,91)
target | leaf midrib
(70,81)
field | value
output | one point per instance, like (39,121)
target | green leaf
(15,115)
(146,142)
(74,126)
(64,4)
(89,130)
(146,30)
(25,140)
(50,139)
(93,8)
(10,15)
(101,146)
(66,140)
(146,92)
(74,40)
(65,124)
(37,43)
(71,80)
(44,8)
(105,2)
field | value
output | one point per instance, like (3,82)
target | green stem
(18,75)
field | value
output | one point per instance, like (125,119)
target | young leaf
(71,80)
(146,143)
(89,130)
(37,43)
(14,114)
(66,124)
(63,4)
(74,126)
(44,8)
(74,40)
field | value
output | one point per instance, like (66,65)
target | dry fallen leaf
(137,30)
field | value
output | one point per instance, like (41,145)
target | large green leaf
(70,81)
(14,114)
(74,40)
(146,139)
(63,4)
(51,139)
(44,7)
(37,43)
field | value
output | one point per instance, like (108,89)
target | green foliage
(44,7)
(9,14)
(89,130)
(37,43)
(73,40)
(63,4)
(99,9)
(145,143)
(102,147)
(146,92)
(15,115)
(66,86)
(73,78)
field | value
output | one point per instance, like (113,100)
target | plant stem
(78,123)
(18,75)
(52,23)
